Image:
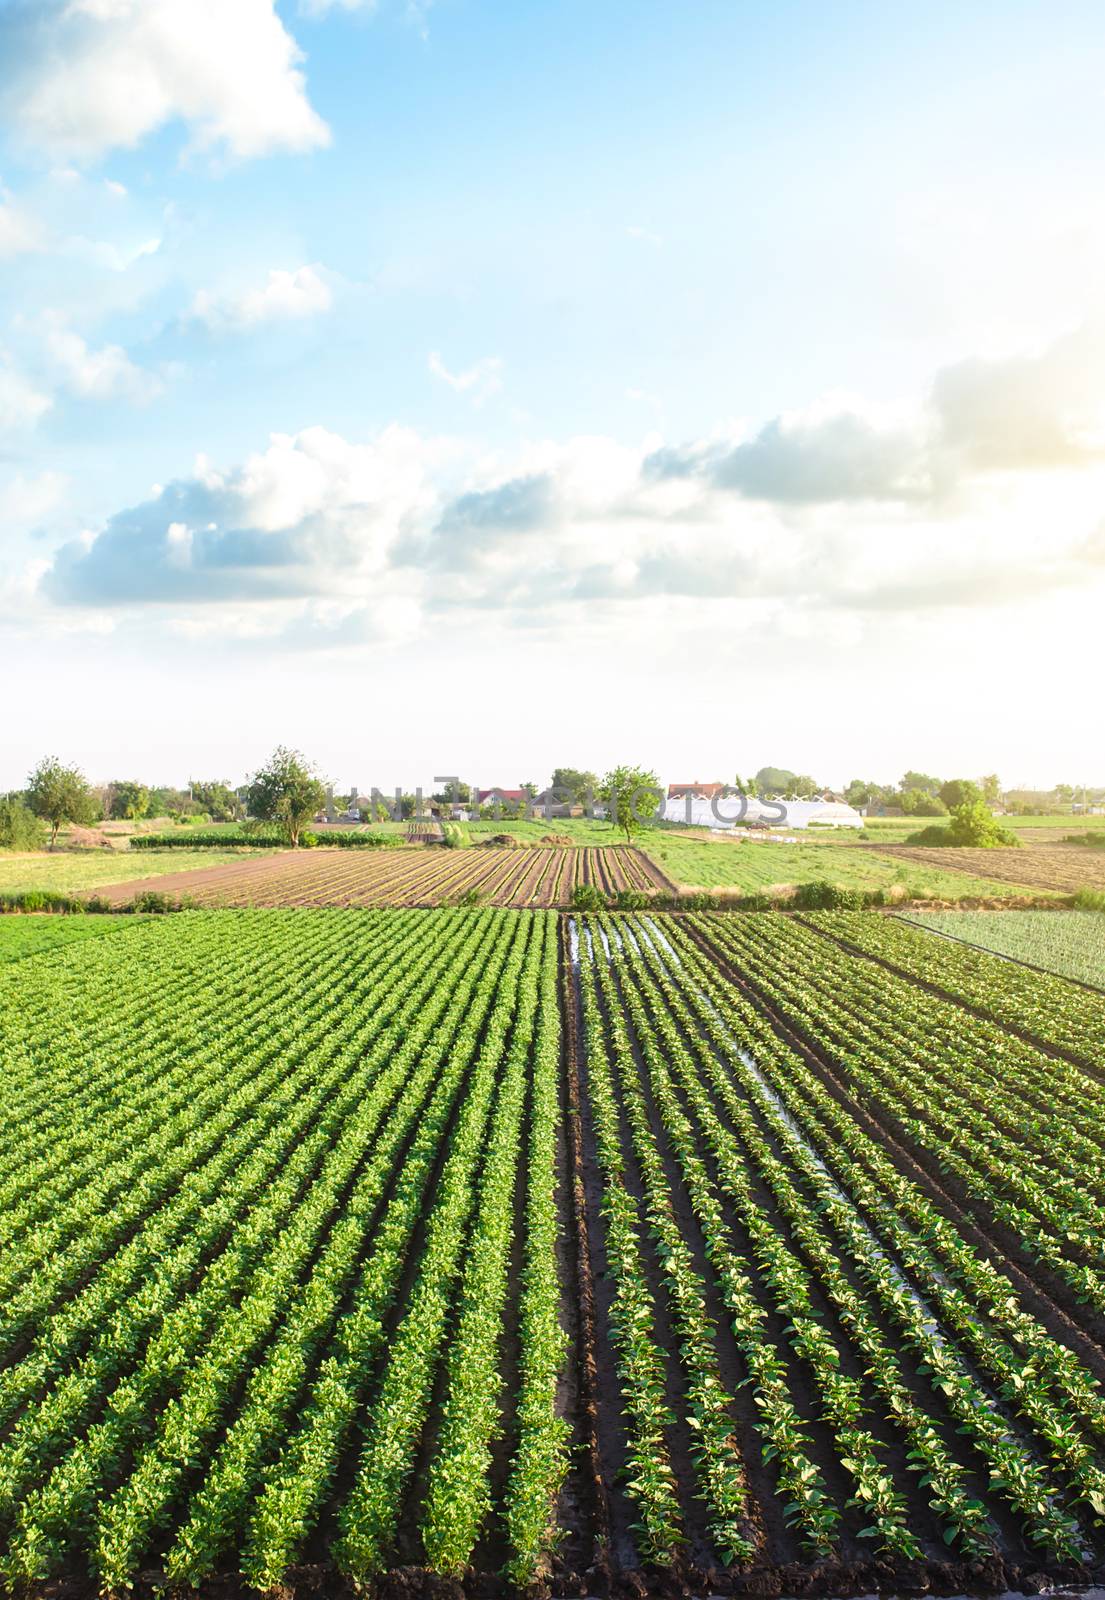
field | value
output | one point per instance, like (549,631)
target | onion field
(1069,943)
(511,1252)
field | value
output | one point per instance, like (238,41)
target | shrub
(700,901)
(1092,841)
(631,900)
(20,829)
(825,896)
(930,836)
(153,900)
(42,900)
(586,897)
(973,825)
(470,897)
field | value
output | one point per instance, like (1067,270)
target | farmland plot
(273,1184)
(816,1354)
(414,877)
(1069,943)
(1048,1009)
(308,1276)
(1058,868)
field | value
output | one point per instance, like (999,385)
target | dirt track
(408,877)
(1065,869)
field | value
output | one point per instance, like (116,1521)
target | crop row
(1057,1013)
(1022,1132)
(419,876)
(772,1233)
(276,1165)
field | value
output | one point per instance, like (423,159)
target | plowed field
(413,877)
(1065,870)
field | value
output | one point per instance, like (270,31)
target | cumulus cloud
(833,510)
(1027,412)
(301,518)
(806,460)
(1019,414)
(89,76)
(479,381)
(104,374)
(283,297)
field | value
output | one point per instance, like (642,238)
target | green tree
(991,789)
(862,792)
(959,792)
(287,791)
(20,829)
(974,825)
(627,791)
(129,800)
(577,783)
(920,803)
(773,780)
(59,794)
(804,786)
(920,780)
(218,799)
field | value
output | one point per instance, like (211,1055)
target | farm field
(1033,830)
(1063,869)
(1050,1009)
(335,1137)
(727,1251)
(750,867)
(71,872)
(29,936)
(414,877)
(1068,943)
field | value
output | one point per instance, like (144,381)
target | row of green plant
(1047,1007)
(1024,1133)
(223,1141)
(954,1312)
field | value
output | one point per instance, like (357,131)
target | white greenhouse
(699,812)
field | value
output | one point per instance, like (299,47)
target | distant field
(66,874)
(896,830)
(1052,867)
(1068,943)
(32,936)
(761,866)
(580,830)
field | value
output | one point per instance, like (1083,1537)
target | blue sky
(466,356)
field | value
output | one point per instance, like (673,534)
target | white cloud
(26,499)
(479,381)
(104,374)
(18,231)
(313,514)
(98,75)
(21,404)
(284,296)
(826,513)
